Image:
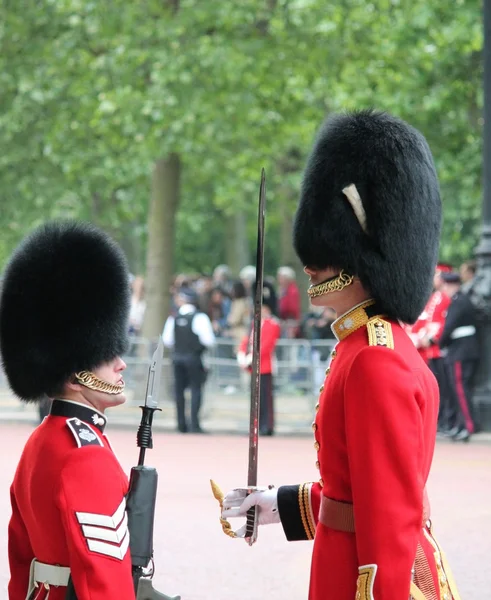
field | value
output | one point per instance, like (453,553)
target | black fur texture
(64,307)
(392,167)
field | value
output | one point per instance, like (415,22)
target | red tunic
(68,509)
(374,435)
(270,334)
(430,324)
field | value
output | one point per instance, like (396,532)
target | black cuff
(294,508)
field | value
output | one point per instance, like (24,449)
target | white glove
(237,502)
(244,360)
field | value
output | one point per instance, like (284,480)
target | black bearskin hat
(391,242)
(63,308)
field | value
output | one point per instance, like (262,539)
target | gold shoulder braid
(91,381)
(380,333)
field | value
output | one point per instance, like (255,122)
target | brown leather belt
(340,515)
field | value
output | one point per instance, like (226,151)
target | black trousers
(446,413)
(461,376)
(188,373)
(266,407)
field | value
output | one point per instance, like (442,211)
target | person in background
(270,333)
(459,339)
(425,334)
(189,334)
(467,273)
(222,278)
(289,308)
(217,310)
(138,305)
(238,320)
(203,288)
(316,326)
(248,276)
(180,281)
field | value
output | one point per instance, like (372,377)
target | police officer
(189,333)
(459,339)
(63,327)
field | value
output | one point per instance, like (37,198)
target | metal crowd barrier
(299,367)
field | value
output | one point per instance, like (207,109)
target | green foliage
(94,92)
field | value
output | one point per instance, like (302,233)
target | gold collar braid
(91,381)
(332,285)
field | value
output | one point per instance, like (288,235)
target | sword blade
(251,525)
(256,340)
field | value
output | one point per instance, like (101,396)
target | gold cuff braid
(333,285)
(91,381)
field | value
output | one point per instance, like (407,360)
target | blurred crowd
(228,302)
(445,334)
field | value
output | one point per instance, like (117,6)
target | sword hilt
(218,494)
(251,525)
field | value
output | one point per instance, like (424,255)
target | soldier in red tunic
(367,230)
(426,333)
(63,324)
(270,334)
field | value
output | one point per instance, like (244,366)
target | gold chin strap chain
(91,381)
(333,285)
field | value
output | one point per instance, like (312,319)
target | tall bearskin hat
(63,308)
(370,204)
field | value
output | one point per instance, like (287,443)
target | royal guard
(270,334)
(459,340)
(426,334)
(63,328)
(367,230)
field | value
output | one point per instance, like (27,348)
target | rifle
(142,493)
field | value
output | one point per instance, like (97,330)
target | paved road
(195,559)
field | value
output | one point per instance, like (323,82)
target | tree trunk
(160,246)
(287,253)
(237,245)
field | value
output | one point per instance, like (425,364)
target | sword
(251,524)
(251,528)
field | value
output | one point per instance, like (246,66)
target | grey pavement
(221,413)
(194,558)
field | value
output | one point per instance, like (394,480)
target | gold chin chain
(91,381)
(333,285)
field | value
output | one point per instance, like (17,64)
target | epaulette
(380,333)
(84,434)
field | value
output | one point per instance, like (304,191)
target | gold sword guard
(218,494)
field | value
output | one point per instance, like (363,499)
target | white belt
(47,575)
(464,331)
